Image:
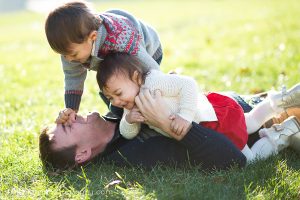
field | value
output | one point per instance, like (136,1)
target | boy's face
(122,90)
(82,52)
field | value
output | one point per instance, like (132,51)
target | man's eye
(119,94)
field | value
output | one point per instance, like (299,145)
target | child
(122,76)
(84,38)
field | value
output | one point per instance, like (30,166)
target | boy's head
(119,77)
(70,24)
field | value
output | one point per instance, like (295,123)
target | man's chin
(93,116)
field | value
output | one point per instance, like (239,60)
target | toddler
(83,38)
(122,76)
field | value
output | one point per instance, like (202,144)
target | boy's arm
(75,76)
(128,130)
(146,60)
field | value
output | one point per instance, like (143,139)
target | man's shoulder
(118,12)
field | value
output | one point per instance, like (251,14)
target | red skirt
(231,120)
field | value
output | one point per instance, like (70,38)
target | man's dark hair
(56,159)
(70,23)
(119,63)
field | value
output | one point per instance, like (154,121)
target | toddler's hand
(66,117)
(134,116)
(178,124)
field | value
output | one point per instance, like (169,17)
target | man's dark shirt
(201,146)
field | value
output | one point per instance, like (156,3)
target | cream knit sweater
(181,94)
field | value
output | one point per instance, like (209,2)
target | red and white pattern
(122,36)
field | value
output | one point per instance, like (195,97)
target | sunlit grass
(246,46)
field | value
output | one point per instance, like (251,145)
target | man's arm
(200,147)
(205,146)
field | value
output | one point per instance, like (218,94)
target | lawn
(245,46)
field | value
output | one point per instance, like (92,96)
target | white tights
(263,148)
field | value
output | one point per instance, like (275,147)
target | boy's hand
(179,126)
(66,117)
(134,116)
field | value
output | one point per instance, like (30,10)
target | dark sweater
(201,146)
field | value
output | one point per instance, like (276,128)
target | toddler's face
(121,90)
(80,52)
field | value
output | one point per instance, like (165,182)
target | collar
(101,35)
(116,141)
(94,48)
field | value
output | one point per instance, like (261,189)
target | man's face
(81,132)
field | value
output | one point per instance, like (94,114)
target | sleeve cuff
(72,101)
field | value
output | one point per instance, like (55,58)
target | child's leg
(275,139)
(259,115)
(275,103)
(262,149)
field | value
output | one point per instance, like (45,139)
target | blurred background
(248,46)
(245,46)
(34,5)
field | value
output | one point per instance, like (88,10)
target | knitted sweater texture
(181,94)
(118,32)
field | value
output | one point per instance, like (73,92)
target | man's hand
(134,116)
(66,117)
(157,113)
(179,127)
(153,109)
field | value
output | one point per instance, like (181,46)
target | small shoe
(281,134)
(293,111)
(286,99)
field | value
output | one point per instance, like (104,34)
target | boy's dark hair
(57,159)
(119,63)
(70,23)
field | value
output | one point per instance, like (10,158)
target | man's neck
(104,137)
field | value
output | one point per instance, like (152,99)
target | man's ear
(83,155)
(93,35)
(136,77)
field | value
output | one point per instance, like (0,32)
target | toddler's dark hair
(119,62)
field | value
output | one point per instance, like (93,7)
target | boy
(84,38)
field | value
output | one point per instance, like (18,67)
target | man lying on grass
(93,136)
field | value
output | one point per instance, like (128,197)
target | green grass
(246,46)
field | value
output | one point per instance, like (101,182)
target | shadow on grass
(275,176)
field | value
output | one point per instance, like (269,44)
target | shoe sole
(295,139)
